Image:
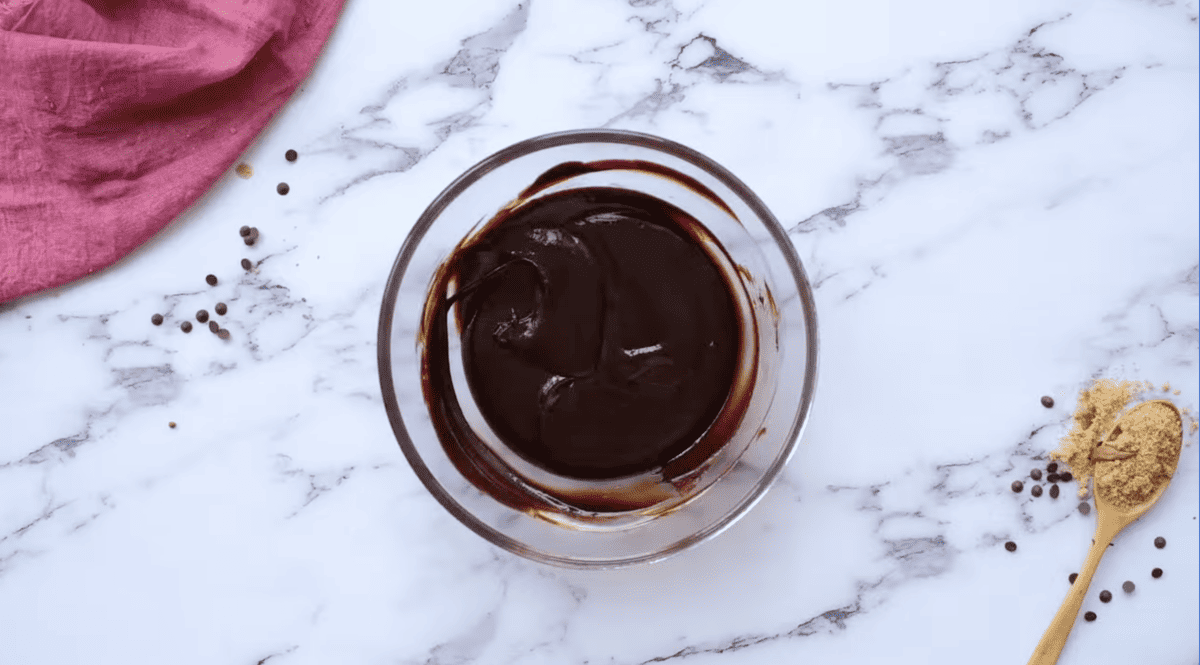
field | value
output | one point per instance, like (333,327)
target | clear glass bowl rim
(552,140)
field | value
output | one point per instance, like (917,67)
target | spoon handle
(1055,637)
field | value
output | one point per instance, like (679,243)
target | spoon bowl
(1110,520)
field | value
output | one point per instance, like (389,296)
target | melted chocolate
(599,340)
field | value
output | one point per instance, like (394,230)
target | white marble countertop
(994,204)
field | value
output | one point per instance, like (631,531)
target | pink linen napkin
(116,115)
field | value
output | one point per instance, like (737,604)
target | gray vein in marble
(474,66)
(830,621)
(278,653)
(318,483)
(1024,72)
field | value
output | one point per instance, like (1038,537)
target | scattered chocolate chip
(1160,542)
(171,424)
(223,333)
(213,327)
(1017,486)
(1010,546)
(1156,573)
(1052,477)
(244,231)
(1054,491)
(1047,401)
(1036,474)
(290,155)
(1084,508)
(186,326)
(246,265)
(1089,616)
(156,319)
(1036,490)
(1128,586)
(1052,467)
(283,188)
(211,279)
(1065,477)
(221,309)
(1071,577)
(252,238)
(202,315)
(1105,596)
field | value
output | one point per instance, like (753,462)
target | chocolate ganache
(599,340)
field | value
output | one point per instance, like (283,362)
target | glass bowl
(752,251)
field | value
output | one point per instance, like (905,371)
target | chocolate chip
(156,319)
(1160,542)
(213,327)
(252,238)
(1065,477)
(1128,586)
(1089,616)
(211,279)
(223,333)
(1052,467)
(186,326)
(1036,490)
(1156,573)
(1052,477)
(221,309)
(1071,577)
(202,315)
(244,231)
(1036,474)
(1084,508)
(1105,596)
(246,265)
(290,155)
(1054,491)
(1010,546)
(283,188)
(1017,486)
(172,423)
(1047,401)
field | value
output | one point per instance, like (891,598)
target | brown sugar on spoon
(1095,415)
(1148,453)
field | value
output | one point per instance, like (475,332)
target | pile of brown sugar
(1148,443)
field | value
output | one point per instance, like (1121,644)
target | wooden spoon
(1110,520)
